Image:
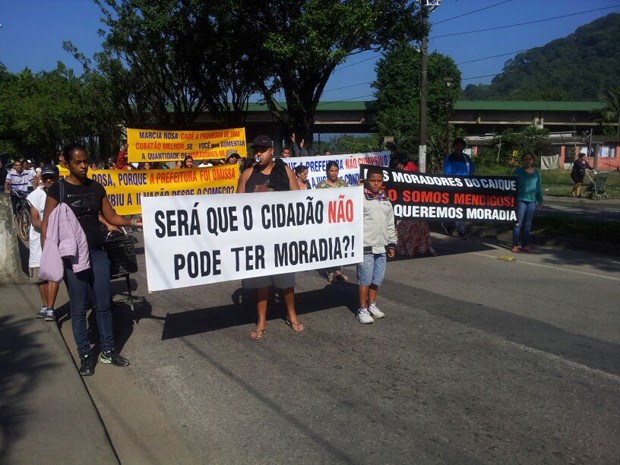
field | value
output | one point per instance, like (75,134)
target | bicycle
(22,214)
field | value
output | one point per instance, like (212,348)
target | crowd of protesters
(76,209)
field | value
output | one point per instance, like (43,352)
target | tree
(354,144)
(148,58)
(611,112)
(299,43)
(510,146)
(174,59)
(397,98)
(43,111)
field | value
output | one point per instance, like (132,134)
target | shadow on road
(123,316)
(594,353)
(243,310)
(20,373)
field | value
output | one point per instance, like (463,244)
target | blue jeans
(525,215)
(78,285)
(372,269)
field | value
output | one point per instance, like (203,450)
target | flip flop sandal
(257,334)
(297,327)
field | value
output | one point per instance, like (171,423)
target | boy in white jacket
(379,235)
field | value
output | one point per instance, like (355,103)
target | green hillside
(579,67)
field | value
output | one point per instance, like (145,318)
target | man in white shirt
(18,183)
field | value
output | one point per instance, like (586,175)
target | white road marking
(556,358)
(555,267)
(541,265)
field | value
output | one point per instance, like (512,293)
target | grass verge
(558,183)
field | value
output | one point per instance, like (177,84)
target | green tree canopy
(397,94)
(510,146)
(611,113)
(302,41)
(40,112)
(174,59)
(347,143)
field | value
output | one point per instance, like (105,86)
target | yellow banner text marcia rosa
(154,145)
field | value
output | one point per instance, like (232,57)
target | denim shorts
(372,269)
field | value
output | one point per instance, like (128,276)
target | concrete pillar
(10,263)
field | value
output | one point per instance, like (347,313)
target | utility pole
(426,6)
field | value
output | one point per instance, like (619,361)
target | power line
(347,87)
(550,65)
(356,63)
(492,56)
(523,24)
(471,12)
(346,100)
(460,63)
(479,77)
(438,22)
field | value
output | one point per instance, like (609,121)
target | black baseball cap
(262,141)
(49,170)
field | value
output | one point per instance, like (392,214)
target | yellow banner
(163,146)
(126,188)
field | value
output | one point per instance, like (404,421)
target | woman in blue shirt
(529,199)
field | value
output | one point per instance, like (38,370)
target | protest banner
(348,165)
(154,145)
(189,241)
(434,197)
(127,188)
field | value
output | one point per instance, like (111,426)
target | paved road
(480,360)
(602,210)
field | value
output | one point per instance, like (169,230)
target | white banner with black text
(193,240)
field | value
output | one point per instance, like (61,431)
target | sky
(33,32)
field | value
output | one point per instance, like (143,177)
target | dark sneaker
(113,357)
(42,313)
(49,315)
(87,365)
(462,236)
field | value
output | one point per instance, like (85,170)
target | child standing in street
(379,235)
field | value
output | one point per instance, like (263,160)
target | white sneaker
(363,316)
(375,312)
